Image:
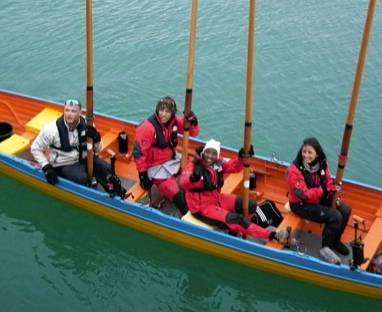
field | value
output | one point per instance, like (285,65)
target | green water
(56,257)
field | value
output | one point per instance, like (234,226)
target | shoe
(341,248)
(282,236)
(329,255)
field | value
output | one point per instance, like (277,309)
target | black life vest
(208,185)
(64,137)
(160,139)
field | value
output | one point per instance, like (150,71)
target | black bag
(267,214)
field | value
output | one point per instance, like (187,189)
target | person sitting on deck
(154,150)
(60,148)
(202,181)
(311,190)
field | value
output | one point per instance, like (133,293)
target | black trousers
(334,219)
(78,172)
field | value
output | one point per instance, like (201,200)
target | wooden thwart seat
(231,182)
(188,217)
(373,239)
(108,138)
(15,145)
(41,119)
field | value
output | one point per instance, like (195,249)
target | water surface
(57,257)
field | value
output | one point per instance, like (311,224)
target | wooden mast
(190,76)
(89,85)
(249,104)
(342,159)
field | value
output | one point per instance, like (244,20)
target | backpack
(267,214)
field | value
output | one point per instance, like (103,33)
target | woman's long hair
(321,157)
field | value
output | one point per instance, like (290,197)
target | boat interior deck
(28,115)
(306,239)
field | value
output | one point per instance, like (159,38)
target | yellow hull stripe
(193,242)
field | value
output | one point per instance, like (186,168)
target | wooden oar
(249,104)
(342,159)
(190,76)
(89,84)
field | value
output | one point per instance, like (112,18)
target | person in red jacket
(154,150)
(202,181)
(311,189)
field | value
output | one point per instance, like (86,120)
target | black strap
(64,136)
(160,139)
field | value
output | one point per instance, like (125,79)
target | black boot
(341,248)
(179,201)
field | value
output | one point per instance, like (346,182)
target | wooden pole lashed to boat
(342,159)
(89,84)
(190,77)
(249,104)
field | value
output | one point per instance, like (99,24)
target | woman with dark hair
(155,149)
(311,189)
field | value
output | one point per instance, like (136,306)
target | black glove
(197,174)
(145,181)
(191,118)
(241,152)
(50,174)
(300,194)
(92,133)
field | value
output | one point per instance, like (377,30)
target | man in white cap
(202,181)
(60,148)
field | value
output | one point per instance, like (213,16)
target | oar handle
(190,77)
(249,104)
(89,87)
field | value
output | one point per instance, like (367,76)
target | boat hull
(151,221)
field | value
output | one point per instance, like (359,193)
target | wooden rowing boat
(27,115)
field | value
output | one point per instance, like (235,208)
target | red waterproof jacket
(314,194)
(196,197)
(146,153)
